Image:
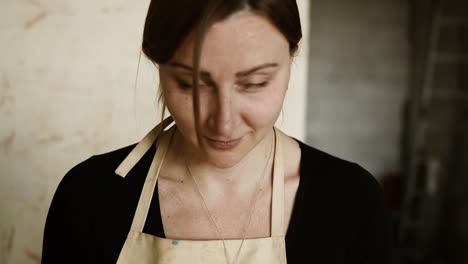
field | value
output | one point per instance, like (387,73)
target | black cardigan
(339,214)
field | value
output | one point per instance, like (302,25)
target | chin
(223,161)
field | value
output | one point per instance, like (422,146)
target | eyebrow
(238,74)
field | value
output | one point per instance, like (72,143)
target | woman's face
(245,67)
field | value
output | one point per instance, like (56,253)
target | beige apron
(144,248)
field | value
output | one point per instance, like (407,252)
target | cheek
(179,106)
(274,97)
(263,109)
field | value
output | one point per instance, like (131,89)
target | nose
(222,116)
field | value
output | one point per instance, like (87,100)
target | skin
(245,65)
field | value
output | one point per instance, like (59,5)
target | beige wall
(67,73)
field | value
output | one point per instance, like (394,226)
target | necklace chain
(252,206)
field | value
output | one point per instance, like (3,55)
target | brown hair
(168,22)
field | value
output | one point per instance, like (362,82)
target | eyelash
(184,85)
(187,86)
(256,85)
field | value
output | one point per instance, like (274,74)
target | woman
(221,185)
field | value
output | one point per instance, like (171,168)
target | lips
(223,144)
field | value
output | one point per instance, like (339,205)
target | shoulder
(341,188)
(93,176)
(335,175)
(91,197)
(351,205)
(96,167)
(347,191)
(92,190)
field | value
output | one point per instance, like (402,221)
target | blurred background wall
(432,222)
(358,78)
(66,71)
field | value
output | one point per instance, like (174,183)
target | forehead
(240,41)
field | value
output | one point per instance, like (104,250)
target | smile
(223,145)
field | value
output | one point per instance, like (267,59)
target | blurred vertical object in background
(433,222)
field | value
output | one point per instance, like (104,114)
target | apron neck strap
(146,195)
(141,148)
(277,208)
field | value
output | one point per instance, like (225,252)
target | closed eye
(184,85)
(187,84)
(255,85)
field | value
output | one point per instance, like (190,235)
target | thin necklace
(252,206)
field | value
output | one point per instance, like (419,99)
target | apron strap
(140,149)
(150,183)
(277,210)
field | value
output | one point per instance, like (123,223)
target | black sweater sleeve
(92,210)
(339,215)
(374,232)
(68,236)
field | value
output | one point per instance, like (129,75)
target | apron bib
(144,248)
